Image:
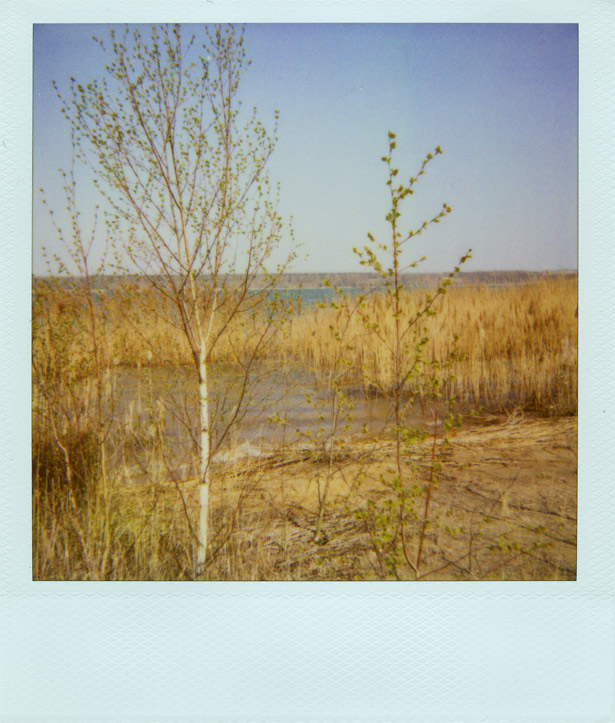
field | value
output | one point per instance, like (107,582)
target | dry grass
(139,327)
(518,344)
(112,499)
(507,513)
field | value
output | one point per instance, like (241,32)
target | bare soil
(503,506)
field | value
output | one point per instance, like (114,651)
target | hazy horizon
(501,100)
(326,274)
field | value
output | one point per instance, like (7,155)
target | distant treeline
(414,280)
(364,280)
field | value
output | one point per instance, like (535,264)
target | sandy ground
(503,506)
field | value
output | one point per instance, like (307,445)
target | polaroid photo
(306,337)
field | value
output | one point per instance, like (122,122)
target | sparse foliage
(183,169)
(413,376)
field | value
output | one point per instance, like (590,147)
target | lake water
(280,407)
(305,299)
(309,298)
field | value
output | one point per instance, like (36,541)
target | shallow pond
(159,406)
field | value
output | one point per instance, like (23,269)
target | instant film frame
(309,651)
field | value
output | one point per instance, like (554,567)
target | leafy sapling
(399,328)
(183,169)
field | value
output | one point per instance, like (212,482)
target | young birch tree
(183,168)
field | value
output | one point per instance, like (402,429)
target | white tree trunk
(204,463)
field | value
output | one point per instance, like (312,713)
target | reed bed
(516,345)
(137,327)
(110,500)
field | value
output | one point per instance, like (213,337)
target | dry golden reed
(518,344)
(136,325)
(92,524)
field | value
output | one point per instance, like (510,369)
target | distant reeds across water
(517,344)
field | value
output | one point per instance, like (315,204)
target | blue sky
(501,101)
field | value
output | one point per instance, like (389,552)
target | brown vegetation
(111,499)
(518,344)
(504,509)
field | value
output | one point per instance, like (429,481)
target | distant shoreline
(299,281)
